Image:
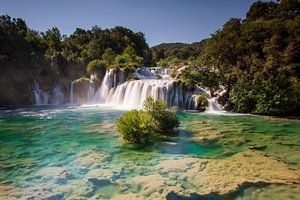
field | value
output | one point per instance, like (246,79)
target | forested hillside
(257,59)
(176,54)
(51,58)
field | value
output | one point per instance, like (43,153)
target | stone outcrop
(224,176)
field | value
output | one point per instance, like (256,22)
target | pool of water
(76,153)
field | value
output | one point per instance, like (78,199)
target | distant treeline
(23,47)
(177,54)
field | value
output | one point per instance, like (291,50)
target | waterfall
(111,80)
(58,95)
(106,85)
(40,97)
(133,94)
(213,106)
(72,93)
(90,93)
(115,90)
(144,73)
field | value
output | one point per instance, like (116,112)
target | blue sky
(160,20)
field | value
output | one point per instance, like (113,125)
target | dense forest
(177,54)
(256,59)
(50,57)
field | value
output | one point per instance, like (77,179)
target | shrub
(81,80)
(96,65)
(136,126)
(201,102)
(133,78)
(159,111)
(139,126)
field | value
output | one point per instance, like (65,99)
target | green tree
(128,60)
(158,109)
(206,77)
(137,127)
(96,66)
(257,59)
(108,56)
(53,38)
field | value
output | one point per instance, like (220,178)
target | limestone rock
(130,196)
(56,173)
(177,165)
(224,176)
(91,159)
(99,174)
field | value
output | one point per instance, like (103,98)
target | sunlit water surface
(55,152)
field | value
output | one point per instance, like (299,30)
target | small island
(106,113)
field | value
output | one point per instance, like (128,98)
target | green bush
(140,126)
(202,102)
(137,126)
(96,65)
(159,111)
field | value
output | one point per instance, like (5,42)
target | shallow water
(68,152)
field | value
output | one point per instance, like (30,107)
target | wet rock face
(80,90)
(222,97)
(15,87)
(97,77)
(17,84)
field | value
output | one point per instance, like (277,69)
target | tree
(53,38)
(129,59)
(140,126)
(289,8)
(136,127)
(205,76)
(167,120)
(96,65)
(108,56)
(257,59)
(262,10)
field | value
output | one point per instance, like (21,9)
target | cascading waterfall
(72,93)
(213,106)
(134,93)
(44,98)
(58,95)
(90,93)
(115,90)
(40,97)
(144,73)
(106,85)
(161,72)
(111,80)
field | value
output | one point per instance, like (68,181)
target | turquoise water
(56,152)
